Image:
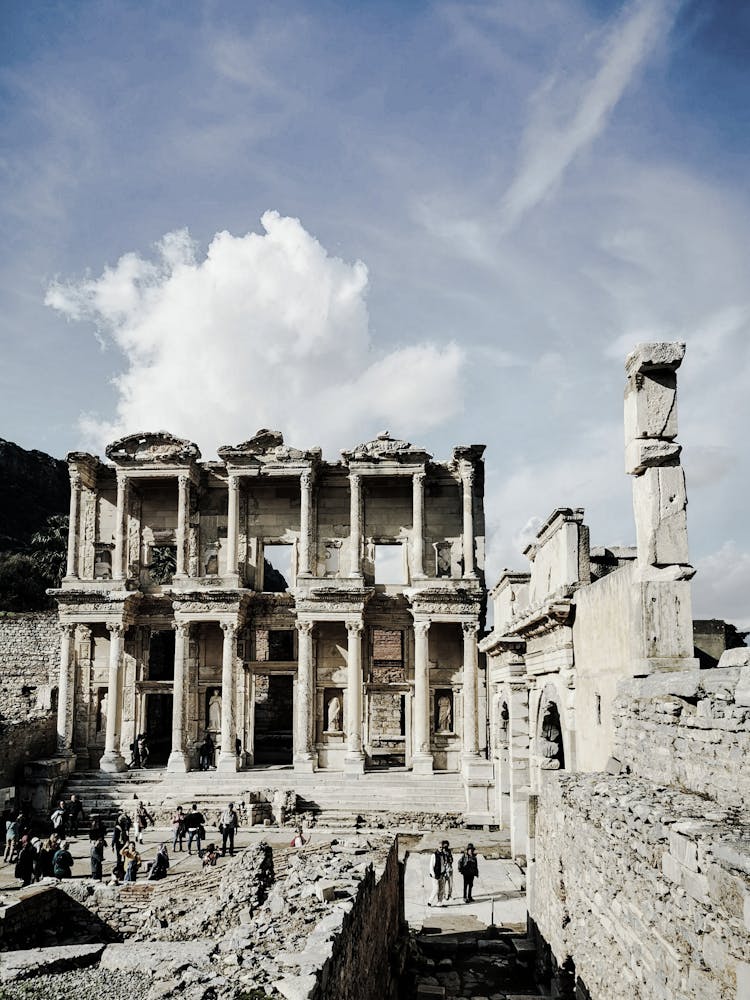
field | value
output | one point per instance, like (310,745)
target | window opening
(389,564)
(277,567)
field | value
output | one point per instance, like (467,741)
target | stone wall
(21,742)
(646,888)
(29,657)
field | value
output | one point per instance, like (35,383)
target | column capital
(419,478)
(233,482)
(422,627)
(181,627)
(355,627)
(467,472)
(470,629)
(116,628)
(305,480)
(75,479)
(229,629)
(305,627)
(67,628)
(183,479)
(355,478)
(122,478)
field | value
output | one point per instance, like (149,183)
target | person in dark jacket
(26,861)
(97,830)
(160,867)
(195,830)
(469,870)
(62,864)
(97,858)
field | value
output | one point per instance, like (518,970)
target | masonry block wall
(29,657)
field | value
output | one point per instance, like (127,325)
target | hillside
(32,487)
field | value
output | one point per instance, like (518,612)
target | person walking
(143,750)
(160,867)
(132,861)
(227,826)
(447,870)
(195,829)
(62,863)
(469,870)
(142,819)
(58,820)
(437,873)
(178,827)
(97,858)
(25,861)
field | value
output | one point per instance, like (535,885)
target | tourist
(227,827)
(178,826)
(447,870)
(124,822)
(206,753)
(437,872)
(97,858)
(160,865)
(143,750)
(135,756)
(298,840)
(210,856)
(75,814)
(132,861)
(25,861)
(45,857)
(119,840)
(142,820)
(469,870)
(11,839)
(97,830)
(62,863)
(195,829)
(58,820)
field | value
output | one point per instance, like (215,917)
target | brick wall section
(687,729)
(24,741)
(29,659)
(645,886)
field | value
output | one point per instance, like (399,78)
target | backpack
(462,864)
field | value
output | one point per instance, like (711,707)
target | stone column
(71,570)
(227,757)
(467,479)
(422,758)
(417,529)
(65,696)
(470,682)
(305,485)
(121,542)
(304,758)
(355,522)
(354,761)
(178,759)
(183,505)
(112,759)
(232,526)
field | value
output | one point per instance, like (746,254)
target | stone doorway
(159,726)
(274,718)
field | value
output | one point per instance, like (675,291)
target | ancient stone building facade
(325,613)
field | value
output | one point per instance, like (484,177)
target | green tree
(163,565)
(48,549)
(22,586)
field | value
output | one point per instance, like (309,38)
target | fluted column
(178,759)
(467,479)
(422,757)
(65,692)
(112,759)
(304,758)
(73,525)
(417,529)
(354,761)
(233,511)
(118,569)
(227,757)
(183,505)
(305,486)
(471,722)
(355,524)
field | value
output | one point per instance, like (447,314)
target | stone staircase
(390,799)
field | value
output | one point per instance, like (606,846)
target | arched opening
(550,739)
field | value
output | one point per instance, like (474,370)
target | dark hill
(32,487)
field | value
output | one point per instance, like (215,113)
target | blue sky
(495,202)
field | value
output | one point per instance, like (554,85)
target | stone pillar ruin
(65,692)
(178,760)
(183,506)
(471,730)
(422,761)
(233,507)
(417,530)
(112,759)
(305,484)
(355,524)
(663,631)
(354,761)
(227,760)
(467,480)
(121,513)
(304,759)
(71,570)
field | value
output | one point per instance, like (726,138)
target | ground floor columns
(112,759)
(354,761)
(470,683)
(178,759)
(65,692)
(304,758)
(422,761)
(227,757)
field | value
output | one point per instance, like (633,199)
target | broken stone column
(663,633)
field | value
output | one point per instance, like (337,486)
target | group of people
(191,825)
(441,872)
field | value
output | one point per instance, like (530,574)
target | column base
(305,763)
(354,763)
(422,763)
(227,762)
(178,762)
(479,783)
(112,762)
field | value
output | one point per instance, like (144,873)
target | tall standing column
(233,510)
(470,681)
(227,757)
(467,479)
(65,692)
(118,570)
(178,759)
(304,758)
(422,759)
(71,569)
(112,759)
(417,530)
(305,485)
(354,761)
(183,505)
(355,523)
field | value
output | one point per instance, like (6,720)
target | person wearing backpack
(469,870)
(227,826)
(437,872)
(62,863)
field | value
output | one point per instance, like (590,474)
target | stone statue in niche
(101,711)
(214,712)
(444,713)
(334,714)
(211,561)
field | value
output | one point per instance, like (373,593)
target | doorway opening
(274,718)
(159,727)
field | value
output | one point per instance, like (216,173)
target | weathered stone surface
(40,961)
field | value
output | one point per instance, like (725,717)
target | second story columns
(119,571)
(467,483)
(305,486)
(417,531)
(355,521)
(183,511)
(71,570)
(233,521)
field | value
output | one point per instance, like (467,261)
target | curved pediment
(265,445)
(152,447)
(386,448)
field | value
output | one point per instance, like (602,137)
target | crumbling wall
(29,657)
(644,886)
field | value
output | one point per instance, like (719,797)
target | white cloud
(721,587)
(260,332)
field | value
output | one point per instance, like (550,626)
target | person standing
(195,830)
(178,826)
(469,870)
(25,861)
(97,858)
(447,870)
(58,819)
(62,864)
(132,861)
(11,839)
(142,819)
(437,872)
(75,814)
(97,830)
(45,857)
(227,827)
